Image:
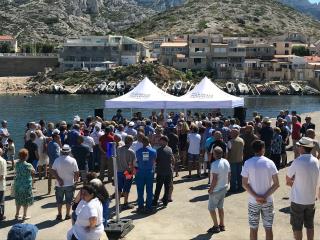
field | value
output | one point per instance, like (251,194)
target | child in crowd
(11,152)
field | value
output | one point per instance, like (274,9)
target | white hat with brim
(66,148)
(56,132)
(131,124)
(306,142)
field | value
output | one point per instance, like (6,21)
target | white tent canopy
(144,95)
(206,95)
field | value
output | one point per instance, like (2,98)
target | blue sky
(314,1)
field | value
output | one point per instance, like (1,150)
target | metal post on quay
(116,228)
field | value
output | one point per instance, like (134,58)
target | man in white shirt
(260,180)
(66,172)
(96,134)
(194,140)
(303,178)
(3,175)
(88,141)
(136,145)
(220,175)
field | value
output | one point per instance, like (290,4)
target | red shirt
(296,127)
(104,139)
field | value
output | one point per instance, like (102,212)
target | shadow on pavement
(285,210)
(47,224)
(200,187)
(136,216)
(205,236)
(4,224)
(186,179)
(200,198)
(40,197)
(49,205)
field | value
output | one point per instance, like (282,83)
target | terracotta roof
(312,59)
(174,44)
(6,38)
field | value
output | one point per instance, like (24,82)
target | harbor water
(18,110)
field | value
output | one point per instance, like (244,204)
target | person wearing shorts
(220,178)
(194,140)
(66,172)
(260,180)
(303,178)
(125,165)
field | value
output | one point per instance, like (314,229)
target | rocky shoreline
(121,80)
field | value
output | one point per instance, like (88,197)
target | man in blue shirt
(146,157)
(148,129)
(73,135)
(53,153)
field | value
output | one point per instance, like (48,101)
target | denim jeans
(144,179)
(236,179)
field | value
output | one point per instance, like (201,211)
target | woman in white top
(89,223)
(42,152)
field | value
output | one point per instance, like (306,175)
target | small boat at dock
(243,89)
(111,88)
(296,88)
(231,89)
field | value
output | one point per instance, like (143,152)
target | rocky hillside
(230,17)
(32,20)
(304,6)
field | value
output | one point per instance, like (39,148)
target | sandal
(214,229)
(17,217)
(222,228)
(25,218)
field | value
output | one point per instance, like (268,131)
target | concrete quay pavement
(185,218)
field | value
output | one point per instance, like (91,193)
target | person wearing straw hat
(303,178)
(66,172)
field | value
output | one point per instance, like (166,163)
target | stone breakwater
(177,88)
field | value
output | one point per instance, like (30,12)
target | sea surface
(18,110)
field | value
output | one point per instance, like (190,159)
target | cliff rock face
(161,5)
(304,6)
(260,18)
(55,20)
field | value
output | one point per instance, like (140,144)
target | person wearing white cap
(130,129)
(66,172)
(53,151)
(303,178)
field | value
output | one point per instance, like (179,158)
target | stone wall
(25,65)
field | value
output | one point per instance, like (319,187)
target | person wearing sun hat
(303,178)
(23,231)
(130,129)
(66,172)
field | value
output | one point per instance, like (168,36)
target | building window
(70,58)
(286,52)
(275,44)
(286,45)
(204,40)
(199,49)
(192,40)
(219,50)
(197,61)
(84,59)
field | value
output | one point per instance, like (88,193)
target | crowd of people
(247,156)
